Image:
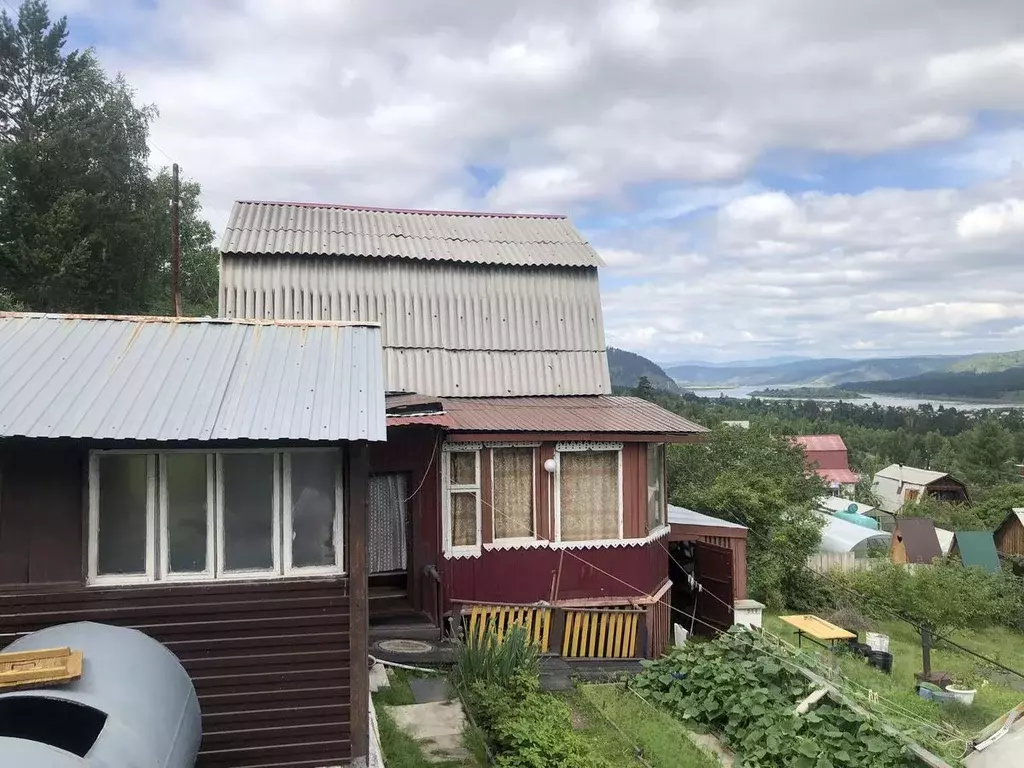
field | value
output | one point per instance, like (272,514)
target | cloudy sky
(762,177)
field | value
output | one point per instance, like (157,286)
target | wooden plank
(47,667)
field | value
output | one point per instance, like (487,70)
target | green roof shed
(976,549)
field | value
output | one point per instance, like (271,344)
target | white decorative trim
(598,544)
(512,445)
(523,543)
(462,447)
(659,533)
(460,553)
(577,445)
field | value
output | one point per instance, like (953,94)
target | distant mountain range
(627,368)
(834,371)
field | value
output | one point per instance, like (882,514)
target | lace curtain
(513,493)
(589,495)
(387,539)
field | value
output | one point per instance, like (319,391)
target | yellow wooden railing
(500,619)
(601,634)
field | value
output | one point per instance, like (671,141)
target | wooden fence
(823,562)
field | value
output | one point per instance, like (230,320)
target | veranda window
(590,492)
(462,498)
(185,516)
(656,502)
(513,472)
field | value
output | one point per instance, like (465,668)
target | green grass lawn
(994,696)
(662,739)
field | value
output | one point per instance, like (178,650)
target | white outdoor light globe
(549,465)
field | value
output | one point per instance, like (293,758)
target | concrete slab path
(437,726)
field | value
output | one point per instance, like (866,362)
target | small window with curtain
(590,494)
(513,477)
(656,503)
(462,498)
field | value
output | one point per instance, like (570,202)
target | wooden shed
(1009,536)
(714,553)
(914,541)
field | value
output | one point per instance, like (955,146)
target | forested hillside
(999,386)
(824,372)
(627,368)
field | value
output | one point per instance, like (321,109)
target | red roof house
(827,457)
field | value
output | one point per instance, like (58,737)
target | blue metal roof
(152,378)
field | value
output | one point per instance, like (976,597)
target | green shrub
(528,728)
(496,661)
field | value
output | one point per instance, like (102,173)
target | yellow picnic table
(817,628)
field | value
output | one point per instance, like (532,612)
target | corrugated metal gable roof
(684,516)
(256,227)
(610,414)
(911,475)
(977,549)
(141,378)
(820,442)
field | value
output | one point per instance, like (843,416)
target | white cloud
(650,119)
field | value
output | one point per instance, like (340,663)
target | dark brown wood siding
(270,660)
(1010,537)
(41,512)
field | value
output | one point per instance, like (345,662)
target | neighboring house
(975,549)
(897,485)
(1009,536)
(714,553)
(914,541)
(203,481)
(510,475)
(828,459)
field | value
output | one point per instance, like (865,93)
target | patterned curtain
(387,540)
(589,495)
(513,492)
(464,518)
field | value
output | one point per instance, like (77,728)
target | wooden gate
(713,571)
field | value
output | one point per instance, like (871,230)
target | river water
(883,400)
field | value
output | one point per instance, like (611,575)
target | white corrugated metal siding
(186,379)
(449,329)
(330,230)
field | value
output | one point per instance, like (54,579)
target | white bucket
(878,642)
(964,695)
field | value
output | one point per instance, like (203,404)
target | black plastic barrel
(133,707)
(881,660)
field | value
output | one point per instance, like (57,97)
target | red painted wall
(528,575)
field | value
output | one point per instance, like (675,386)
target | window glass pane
(464,519)
(124,481)
(655,487)
(589,495)
(463,467)
(248,512)
(185,516)
(513,492)
(313,508)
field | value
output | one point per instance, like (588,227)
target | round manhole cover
(405,646)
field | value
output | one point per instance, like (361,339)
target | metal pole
(926,651)
(176,243)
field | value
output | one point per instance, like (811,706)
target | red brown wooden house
(511,474)
(828,458)
(205,482)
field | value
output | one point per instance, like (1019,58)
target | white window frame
(339,513)
(93,545)
(583,447)
(664,489)
(157,542)
(223,574)
(211,525)
(448,488)
(515,540)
